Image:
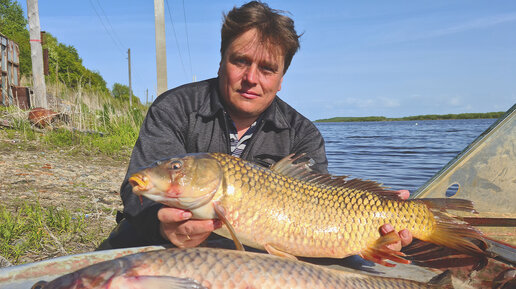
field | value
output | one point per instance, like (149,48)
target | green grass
(32,227)
(97,126)
(109,130)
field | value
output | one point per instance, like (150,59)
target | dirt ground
(82,183)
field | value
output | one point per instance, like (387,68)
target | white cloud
(479,23)
(474,24)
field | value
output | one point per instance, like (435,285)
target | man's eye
(268,68)
(240,61)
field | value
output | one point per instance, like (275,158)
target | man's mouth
(248,94)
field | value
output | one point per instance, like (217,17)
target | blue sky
(357,58)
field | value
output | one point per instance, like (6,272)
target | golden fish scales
(289,210)
(311,219)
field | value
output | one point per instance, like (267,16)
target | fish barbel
(290,210)
(207,268)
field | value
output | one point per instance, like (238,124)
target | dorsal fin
(302,171)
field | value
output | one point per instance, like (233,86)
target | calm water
(399,154)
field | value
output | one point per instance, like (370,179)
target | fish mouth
(139,182)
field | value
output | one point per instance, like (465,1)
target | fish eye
(176,165)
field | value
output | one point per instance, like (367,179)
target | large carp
(289,210)
(205,268)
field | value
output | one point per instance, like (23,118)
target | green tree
(65,61)
(120,91)
(14,26)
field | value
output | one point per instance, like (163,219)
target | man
(236,113)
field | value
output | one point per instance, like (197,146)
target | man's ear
(281,81)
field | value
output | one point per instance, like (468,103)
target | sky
(357,58)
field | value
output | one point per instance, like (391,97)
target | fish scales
(311,219)
(217,268)
(290,210)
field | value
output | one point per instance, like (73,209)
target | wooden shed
(10,91)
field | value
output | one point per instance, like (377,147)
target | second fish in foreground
(205,268)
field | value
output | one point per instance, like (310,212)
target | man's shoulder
(291,115)
(189,91)
(190,95)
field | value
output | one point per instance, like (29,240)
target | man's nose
(250,74)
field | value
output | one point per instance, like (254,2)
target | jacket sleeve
(160,137)
(310,141)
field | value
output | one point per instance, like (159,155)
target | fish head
(185,182)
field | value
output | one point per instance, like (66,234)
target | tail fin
(452,232)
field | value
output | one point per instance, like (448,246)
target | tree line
(416,117)
(65,64)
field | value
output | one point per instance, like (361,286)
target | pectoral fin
(273,251)
(165,282)
(378,251)
(220,213)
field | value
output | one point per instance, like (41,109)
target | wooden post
(130,87)
(161,50)
(40,90)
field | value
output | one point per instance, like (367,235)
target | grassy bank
(33,228)
(416,117)
(50,204)
(110,129)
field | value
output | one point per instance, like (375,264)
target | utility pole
(161,50)
(36,53)
(130,88)
(146,96)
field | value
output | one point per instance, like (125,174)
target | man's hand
(405,235)
(178,228)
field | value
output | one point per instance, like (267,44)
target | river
(399,154)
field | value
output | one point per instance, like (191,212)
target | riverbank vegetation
(60,191)
(94,117)
(416,117)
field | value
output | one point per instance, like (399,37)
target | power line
(107,30)
(187,39)
(177,42)
(112,34)
(111,26)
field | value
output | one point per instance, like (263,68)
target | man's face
(250,75)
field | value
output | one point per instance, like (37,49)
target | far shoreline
(416,117)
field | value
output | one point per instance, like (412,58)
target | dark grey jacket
(190,119)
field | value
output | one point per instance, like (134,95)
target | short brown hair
(272,26)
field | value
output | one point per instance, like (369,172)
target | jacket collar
(272,115)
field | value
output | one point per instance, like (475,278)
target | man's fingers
(406,237)
(189,233)
(195,227)
(385,229)
(178,228)
(403,194)
(173,215)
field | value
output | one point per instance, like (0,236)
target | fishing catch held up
(290,210)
